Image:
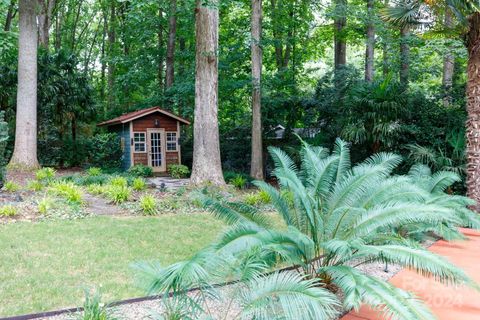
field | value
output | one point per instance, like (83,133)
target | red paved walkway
(447,303)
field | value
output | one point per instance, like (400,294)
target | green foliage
(11,186)
(35,185)
(118,193)
(105,150)
(118,181)
(94,171)
(258,198)
(140,170)
(44,205)
(97,189)
(3,139)
(148,205)
(67,190)
(8,211)
(86,180)
(239,182)
(178,171)
(139,184)
(349,215)
(45,174)
(94,309)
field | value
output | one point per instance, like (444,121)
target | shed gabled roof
(127,117)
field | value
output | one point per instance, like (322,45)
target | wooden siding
(140,158)
(147,122)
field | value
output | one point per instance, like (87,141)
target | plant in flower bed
(45,175)
(148,205)
(8,211)
(67,190)
(139,184)
(140,170)
(11,186)
(337,217)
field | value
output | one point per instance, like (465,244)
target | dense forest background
(335,69)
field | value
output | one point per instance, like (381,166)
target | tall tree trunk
(160,48)
(10,15)
(277,41)
(111,50)
(44,21)
(340,44)
(256,169)
(103,67)
(207,165)
(25,150)
(448,64)
(404,55)
(172,32)
(370,43)
(58,31)
(473,109)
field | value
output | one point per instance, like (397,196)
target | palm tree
(467,13)
(336,218)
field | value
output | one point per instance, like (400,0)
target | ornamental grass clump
(11,186)
(118,193)
(337,217)
(68,191)
(139,184)
(8,211)
(45,175)
(148,205)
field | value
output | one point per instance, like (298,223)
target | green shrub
(8,211)
(118,181)
(178,171)
(97,189)
(44,205)
(239,182)
(94,309)
(139,184)
(118,193)
(148,204)
(35,185)
(68,191)
(45,174)
(11,186)
(258,198)
(94,171)
(105,150)
(139,170)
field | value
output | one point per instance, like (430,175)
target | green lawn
(45,266)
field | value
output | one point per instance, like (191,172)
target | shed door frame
(163,166)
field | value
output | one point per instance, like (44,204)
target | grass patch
(47,265)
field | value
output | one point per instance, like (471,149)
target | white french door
(156,149)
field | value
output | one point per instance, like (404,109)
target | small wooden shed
(149,137)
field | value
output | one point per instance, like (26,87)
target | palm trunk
(404,55)
(370,43)
(340,45)
(207,166)
(473,109)
(172,31)
(25,150)
(448,64)
(256,170)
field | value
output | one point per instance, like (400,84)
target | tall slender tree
(172,33)
(256,169)
(25,151)
(207,165)
(45,21)
(340,43)
(448,63)
(404,54)
(370,42)
(11,12)
(112,36)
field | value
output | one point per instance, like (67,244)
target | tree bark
(10,15)
(370,43)
(160,48)
(340,44)
(473,109)
(44,21)
(448,64)
(25,150)
(172,32)
(111,65)
(207,166)
(256,169)
(277,41)
(404,55)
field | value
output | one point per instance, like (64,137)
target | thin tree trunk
(448,64)
(25,150)
(160,49)
(473,109)
(172,32)
(404,55)
(103,62)
(44,22)
(256,169)
(58,33)
(10,15)
(111,65)
(340,44)
(370,43)
(277,41)
(207,165)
